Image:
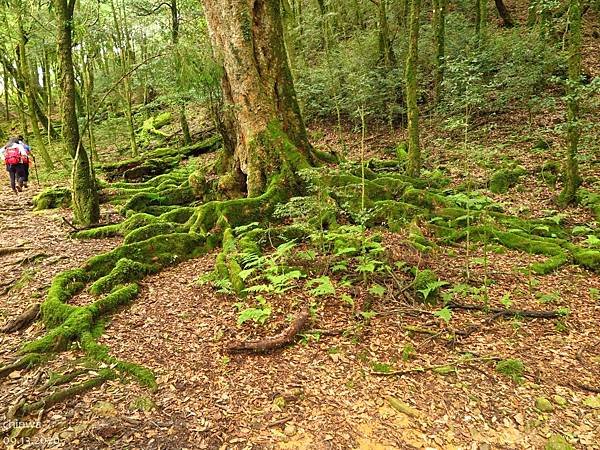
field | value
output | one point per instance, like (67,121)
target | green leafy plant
(445,314)
(259,315)
(323,286)
(431,288)
(512,368)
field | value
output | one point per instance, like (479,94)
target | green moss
(54,197)
(151,230)
(550,172)
(550,265)
(588,258)
(512,368)
(125,270)
(502,180)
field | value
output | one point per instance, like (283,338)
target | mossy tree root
(64,394)
(25,362)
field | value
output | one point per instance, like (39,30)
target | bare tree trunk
(264,124)
(439,25)
(504,14)
(6,90)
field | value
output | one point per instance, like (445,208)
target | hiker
(13,154)
(26,160)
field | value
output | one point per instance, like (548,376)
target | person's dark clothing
(16,173)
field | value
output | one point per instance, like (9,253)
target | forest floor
(323,393)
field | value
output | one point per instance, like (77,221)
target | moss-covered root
(25,362)
(502,180)
(64,394)
(54,197)
(226,265)
(216,216)
(78,320)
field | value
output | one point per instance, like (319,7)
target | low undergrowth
(325,242)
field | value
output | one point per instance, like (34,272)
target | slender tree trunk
(482,18)
(266,130)
(572,179)
(86,207)
(504,13)
(414,151)
(30,89)
(125,55)
(439,14)
(185,128)
(6,90)
(48,81)
(386,52)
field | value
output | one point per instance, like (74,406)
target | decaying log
(272,343)
(23,320)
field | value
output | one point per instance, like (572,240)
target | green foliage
(323,286)
(445,314)
(258,315)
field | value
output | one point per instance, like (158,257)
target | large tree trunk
(86,208)
(260,101)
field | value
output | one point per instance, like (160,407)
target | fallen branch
(586,387)
(272,343)
(440,368)
(23,320)
(10,250)
(499,312)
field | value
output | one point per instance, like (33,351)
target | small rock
(543,404)
(557,442)
(289,430)
(593,402)
(14,375)
(104,409)
(559,400)
(142,404)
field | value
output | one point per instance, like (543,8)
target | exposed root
(23,320)
(23,363)
(275,342)
(64,378)
(63,394)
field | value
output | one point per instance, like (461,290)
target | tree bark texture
(572,179)
(263,116)
(86,207)
(414,150)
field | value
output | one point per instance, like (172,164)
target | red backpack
(12,155)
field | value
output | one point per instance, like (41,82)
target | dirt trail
(317,394)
